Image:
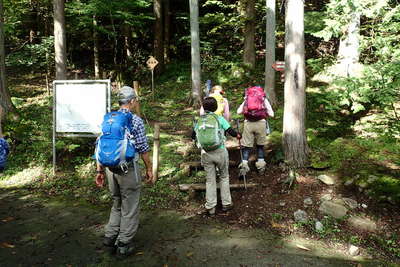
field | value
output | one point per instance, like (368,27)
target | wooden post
(136,87)
(156,152)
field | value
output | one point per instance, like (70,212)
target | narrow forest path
(38,231)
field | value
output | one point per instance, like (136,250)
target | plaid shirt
(138,133)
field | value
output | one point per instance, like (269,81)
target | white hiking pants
(211,160)
(124,215)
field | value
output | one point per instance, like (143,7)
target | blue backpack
(4,149)
(115,148)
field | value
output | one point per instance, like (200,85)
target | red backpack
(254,108)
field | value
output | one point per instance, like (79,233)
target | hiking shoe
(125,249)
(109,241)
(227,207)
(260,165)
(209,212)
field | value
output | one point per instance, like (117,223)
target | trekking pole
(241,154)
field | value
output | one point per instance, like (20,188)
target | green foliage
(339,13)
(38,57)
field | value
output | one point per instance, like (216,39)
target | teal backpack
(209,134)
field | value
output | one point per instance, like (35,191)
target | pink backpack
(254,109)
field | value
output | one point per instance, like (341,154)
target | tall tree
(60,42)
(348,54)
(249,13)
(158,35)
(294,133)
(167,30)
(270,51)
(96,58)
(5,99)
(195,50)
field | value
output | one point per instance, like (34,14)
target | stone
(319,226)
(300,216)
(333,209)
(308,201)
(363,185)
(364,206)
(349,182)
(282,203)
(351,203)
(339,201)
(353,250)
(326,179)
(362,223)
(326,197)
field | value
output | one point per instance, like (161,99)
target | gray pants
(124,215)
(211,160)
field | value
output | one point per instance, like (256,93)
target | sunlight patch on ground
(27,176)
(314,247)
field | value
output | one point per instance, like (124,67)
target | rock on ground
(326,179)
(362,223)
(335,210)
(353,250)
(301,216)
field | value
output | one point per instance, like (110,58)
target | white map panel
(80,107)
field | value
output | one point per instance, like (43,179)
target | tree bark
(294,134)
(195,51)
(270,51)
(5,98)
(60,43)
(158,36)
(96,59)
(249,53)
(167,30)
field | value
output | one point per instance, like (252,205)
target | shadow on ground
(37,231)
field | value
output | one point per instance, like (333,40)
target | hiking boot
(244,168)
(109,241)
(125,249)
(260,165)
(209,212)
(227,207)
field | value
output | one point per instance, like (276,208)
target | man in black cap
(125,187)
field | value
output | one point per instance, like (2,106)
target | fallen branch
(199,187)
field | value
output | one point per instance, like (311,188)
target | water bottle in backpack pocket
(115,148)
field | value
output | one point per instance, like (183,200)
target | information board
(80,105)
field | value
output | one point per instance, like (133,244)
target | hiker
(223,106)
(4,150)
(256,109)
(125,183)
(209,132)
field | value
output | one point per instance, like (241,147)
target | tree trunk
(270,51)
(195,51)
(127,42)
(158,36)
(348,54)
(60,46)
(5,99)
(294,134)
(249,54)
(96,59)
(167,30)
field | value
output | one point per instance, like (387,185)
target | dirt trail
(37,231)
